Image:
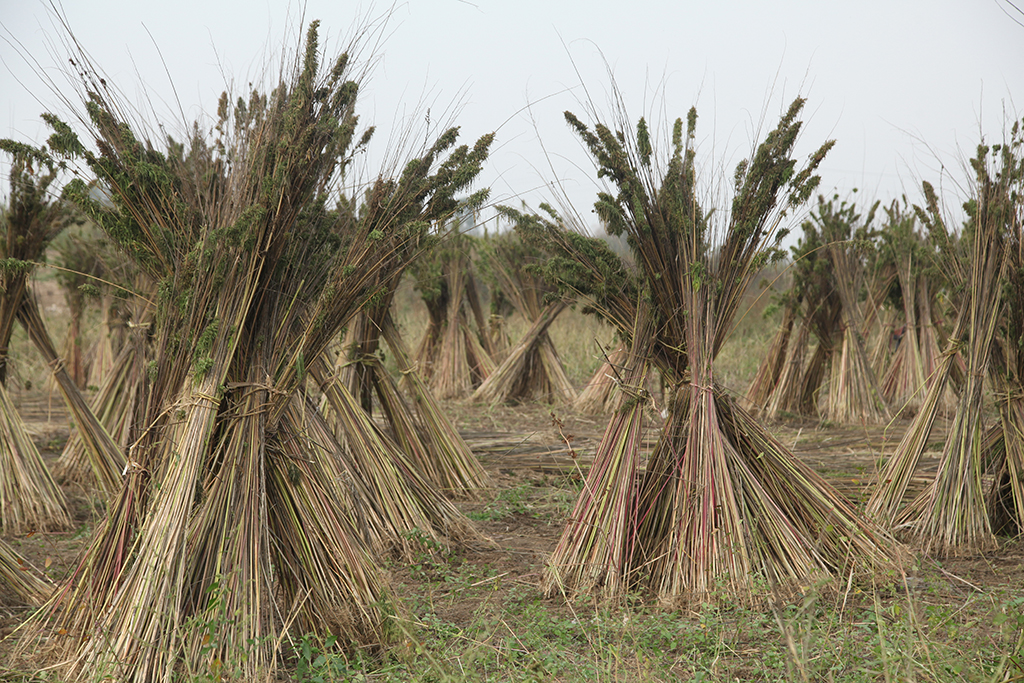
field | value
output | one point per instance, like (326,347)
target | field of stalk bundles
(266,420)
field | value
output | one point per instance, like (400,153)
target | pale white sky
(902,86)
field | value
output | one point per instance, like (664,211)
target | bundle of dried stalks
(1005,499)
(30,499)
(420,429)
(452,466)
(104,455)
(119,407)
(79,268)
(769,371)
(813,294)
(722,504)
(951,515)
(531,370)
(102,353)
(916,344)
(237,512)
(454,355)
(596,549)
(532,367)
(788,391)
(854,395)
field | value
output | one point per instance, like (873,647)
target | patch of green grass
(517,635)
(511,501)
(543,499)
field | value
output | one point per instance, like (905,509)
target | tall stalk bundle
(31,221)
(599,395)
(788,389)
(1005,499)
(81,265)
(454,355)
(419,428)
(887,497)
(452,467)
(877,325)
(234,515)
(398,499)
(917,352)
(30,499)
(532,367)
(497,329)
(954,517)
(102,353)
(813,294)
(930,338)
(770,369)
(531,371)
(886,502)
(384,492)
(951,515)
(104,455)
(854,395)
(721,502)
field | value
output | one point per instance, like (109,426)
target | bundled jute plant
(29,498)
(815,303)
(1005,499)
(952,516)
(854,394)
(836,296)
(723,509)
(455,354)
(917,351)
(241,518)
(32,222)
(598,545)
(118,402)
(419,428)
(21,578)
(532,370)
(775,359)
(79,268)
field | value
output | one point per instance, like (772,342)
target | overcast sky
(901,86)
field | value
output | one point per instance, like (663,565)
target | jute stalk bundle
(952,516)
(917,350)
(20,577)
(454,355)
(768,372)
(30,498)
(595,551)
(233,514)
(814,298)
(530,371)
(854,394)
(721,504)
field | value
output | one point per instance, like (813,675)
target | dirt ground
(537,456)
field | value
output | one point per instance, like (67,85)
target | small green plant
(430,559)
(316,663)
